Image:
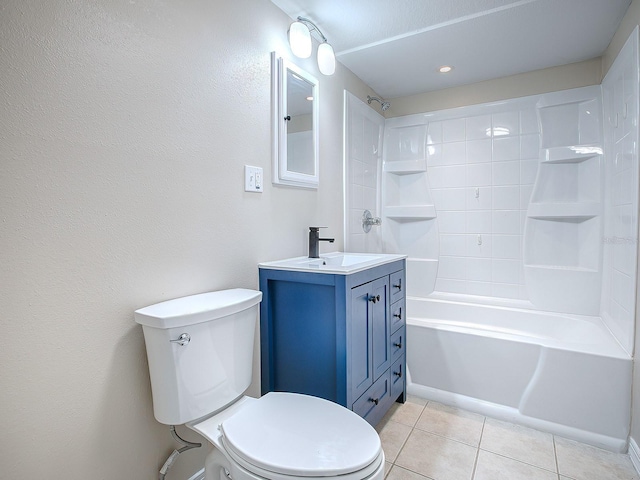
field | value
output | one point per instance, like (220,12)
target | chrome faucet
(314,241)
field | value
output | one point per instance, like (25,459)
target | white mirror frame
(281,174)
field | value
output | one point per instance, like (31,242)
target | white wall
(124,130)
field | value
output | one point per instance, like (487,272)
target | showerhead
(385,105)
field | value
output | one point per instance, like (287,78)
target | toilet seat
(286,435)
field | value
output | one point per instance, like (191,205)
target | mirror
(295,125)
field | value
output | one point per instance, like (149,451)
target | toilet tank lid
(199,308)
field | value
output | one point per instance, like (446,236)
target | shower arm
(383,104)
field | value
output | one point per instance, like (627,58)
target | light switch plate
(253,179)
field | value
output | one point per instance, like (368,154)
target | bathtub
(564,374)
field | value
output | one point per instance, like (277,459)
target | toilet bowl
(286,436)
(200,351)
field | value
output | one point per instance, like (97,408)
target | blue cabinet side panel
(303,329)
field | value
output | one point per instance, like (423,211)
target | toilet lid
(300,435)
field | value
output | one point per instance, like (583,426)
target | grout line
(555,455)
(475,463)
(417,473)
(518,460)
(445,437)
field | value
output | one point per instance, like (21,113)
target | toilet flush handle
(182,340)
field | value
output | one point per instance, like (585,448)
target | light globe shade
(300,40)
(326,59)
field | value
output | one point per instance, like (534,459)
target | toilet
(200,352)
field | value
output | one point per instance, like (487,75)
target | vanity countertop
(333,263)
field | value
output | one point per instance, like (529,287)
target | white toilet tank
(200,352)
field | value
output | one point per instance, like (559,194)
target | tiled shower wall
(620,240)
(481,168)
(363,153)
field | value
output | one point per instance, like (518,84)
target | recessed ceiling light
(445,69)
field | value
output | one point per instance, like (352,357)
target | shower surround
(524,205)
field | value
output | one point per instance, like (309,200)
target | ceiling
(396,46)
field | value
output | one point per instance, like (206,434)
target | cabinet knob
(398,374)
(399,285)
(374,298)
(399,314)
(374,400)
(398,345)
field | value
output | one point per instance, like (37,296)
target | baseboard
(198,475)
(634,454)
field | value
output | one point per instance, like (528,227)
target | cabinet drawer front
(398,344)
(397,285)
(398,377)
(373,404)
(398,312)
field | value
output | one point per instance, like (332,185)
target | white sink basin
(336,262)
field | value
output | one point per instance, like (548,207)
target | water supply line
(172,458)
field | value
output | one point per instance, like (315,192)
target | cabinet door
(380,325)
(360,342)
(369,327)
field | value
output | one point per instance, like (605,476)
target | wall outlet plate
(253,179)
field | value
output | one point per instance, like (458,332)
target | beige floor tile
(453,423)
(519,443)
(417,400)
(398,473)
(407,413)
(495,467)
(437,457)
(584,462)
(392,435)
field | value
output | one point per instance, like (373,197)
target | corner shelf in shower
(406,167)
(410,212)
(572,154)
(562,268)
(559,211)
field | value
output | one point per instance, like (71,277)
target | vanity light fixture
(445,69)
(301,46)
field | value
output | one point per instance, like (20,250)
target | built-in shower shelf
(563,268)
(572,154)
(557,211)
(405,167)
(410,212)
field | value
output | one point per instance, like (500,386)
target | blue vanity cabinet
(332,336)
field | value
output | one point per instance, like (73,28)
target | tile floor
(427,440)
